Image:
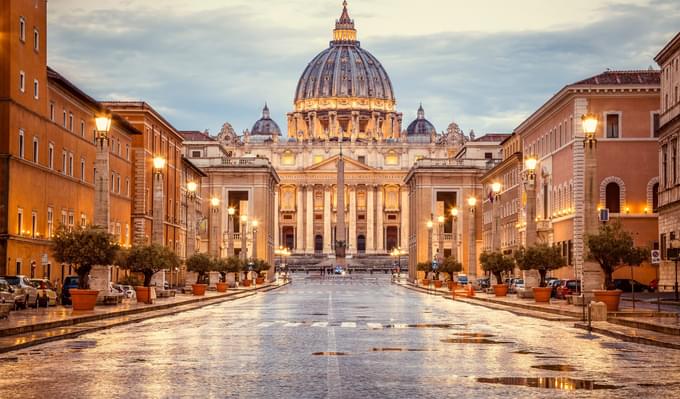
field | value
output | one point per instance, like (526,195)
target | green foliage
(148,260)
(200,263)
(496,263)
(130,280)
(424,266)
(232,264)
(612,247)
(541,257)
(260,265)
(450,266)
(84,247)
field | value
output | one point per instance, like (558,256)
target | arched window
(655,197)
(613,197)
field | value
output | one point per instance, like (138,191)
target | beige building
(669,151)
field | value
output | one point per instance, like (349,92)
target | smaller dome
(421,126)
(265,126)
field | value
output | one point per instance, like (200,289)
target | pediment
(330,165)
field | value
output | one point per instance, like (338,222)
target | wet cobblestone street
(342,338)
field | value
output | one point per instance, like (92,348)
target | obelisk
(340,239)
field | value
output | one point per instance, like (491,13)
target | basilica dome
(344,69)
(421,126)
(265,126)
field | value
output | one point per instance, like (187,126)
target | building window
(288,158)
(52,112)
(63,162)
(612,121)
(70,164)
(613,198)
(82,169)
(70,121)
(362,159)
(113,182)
(71,220)
(20,221)
(64,221)
(36,89)
(82,128)
(655,197)
(674,165)
(195,154)
(35,149)
(127,152)
(18,267)
(63,123)
(391,158)
(655,124)
(127,186)
(21,144)
(22,29)
(22,81)
(34,223)
(83,220)
(118,184)
(488,155)
(50,222)
(50,156)
(36,40)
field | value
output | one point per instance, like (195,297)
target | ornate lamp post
(454,233)
(440,236)
(158,200)
(529,175)
(230,231)
(101,178)
(397,252)
(192,187)
(244,246)
(429,225)
(255,224)
(472,250)
(589,123)
(496,241)
(214,234)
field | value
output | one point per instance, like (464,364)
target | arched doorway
(318,244)
(361,243)
(391,237)
(288,237)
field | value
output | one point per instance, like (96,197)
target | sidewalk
(642,326)
(36,326)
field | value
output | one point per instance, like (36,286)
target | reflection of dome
(421,126)
(344,69)
(265,125)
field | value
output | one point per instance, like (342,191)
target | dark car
(69,282)
(484,282)
(626,285)
(568,287)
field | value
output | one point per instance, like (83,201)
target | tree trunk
(499,279)
(83,277)
(542,273)
(199,279)
(147,279)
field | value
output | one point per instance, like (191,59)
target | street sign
(656,256)
(604,215)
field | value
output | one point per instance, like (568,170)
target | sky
(485,64)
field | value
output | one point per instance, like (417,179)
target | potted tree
(224,266)
(234,266)
(427,268)
(149,260)
(611,247)
(202,264)
(540,257)
(496,263)
(451,266)
(84,247)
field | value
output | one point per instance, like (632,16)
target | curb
(628,338)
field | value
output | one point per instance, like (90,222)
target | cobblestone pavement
(342,338)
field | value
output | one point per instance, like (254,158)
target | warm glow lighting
(530,164)
(159,163)
(231,211)
(454,212)
(429,224)
(496,187)
(646,210)
(191,186)
(627,210)
(255,223)
(214,201)
(103,124)
(244,218)
(589,122)
(440,219)
(472,201)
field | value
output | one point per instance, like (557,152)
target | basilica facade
(345,104)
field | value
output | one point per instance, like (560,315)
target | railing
(457,163)
(448,236)
(232,161)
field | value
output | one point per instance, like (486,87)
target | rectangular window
(195,154)
(34,223)
(63,162)
(36,89)
(83,220)
(50,222)
(113,181)
(18,267)
(612,121)
(82,169)
(64,121)
(36,40)
(22,29)
(71,220)
(21,144)
(118,147)
(362,159)
(70,121)
(70,164)
(20,221)
(52,112)
(82,128)
(118,184)
(50,156)
(127,152)
(127,186)
(655,124)
(22,81)
(35,149)
(674,164)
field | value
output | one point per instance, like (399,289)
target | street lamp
(158,200)
(454,233)
(244,225)
(496,189)
(158,164)
(472,244)
(230,231)
(440,236)
(101,193)
(214,210)
(397,252)
(429,225)
(192,187)
(589,123)
(529,179)
(255,224)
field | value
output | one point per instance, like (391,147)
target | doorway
(361,243)
(391,237)
(318,244)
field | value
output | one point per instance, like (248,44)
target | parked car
(626,285)
(517,283)
(128,291)
(47,296)
(554,284)
(69,282)
(483,283)
(654,285)
(462,279)
(568,287)
(549,281)
(26,294)
(6,292)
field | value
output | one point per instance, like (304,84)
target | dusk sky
(485,64)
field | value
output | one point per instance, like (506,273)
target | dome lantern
(344,27)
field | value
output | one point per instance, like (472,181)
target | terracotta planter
(611,298)
(500,289)
(143,294)
(222,287)
(198,289)
(245,283)
(452,285)
(437,284)
(259,280)
(83,299)
(542,294)
(425,282)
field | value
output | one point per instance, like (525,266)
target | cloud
(221,60)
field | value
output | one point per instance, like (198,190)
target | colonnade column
(277,233)
(299,230)
(380,228)
(404,217)
(309,225)
(353,219)
(327,238)
(370,221)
